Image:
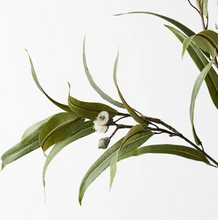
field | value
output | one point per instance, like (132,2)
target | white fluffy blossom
(101,122)
(99,128)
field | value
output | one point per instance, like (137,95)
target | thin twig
(174,133)
(193,6)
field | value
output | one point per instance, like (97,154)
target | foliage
(79,119)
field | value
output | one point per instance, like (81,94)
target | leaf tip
(80,200)
(2,166)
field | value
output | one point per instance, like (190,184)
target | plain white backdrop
(152,78)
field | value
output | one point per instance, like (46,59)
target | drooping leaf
(104,161)
(85,130)
(58,128)
(93,84)
(131,111)
(199,59)
(136,135)
(178,150)
(29,142)
(97,168)
(197,56)
(182,27)
(195,91)
(89,109)
(62,106)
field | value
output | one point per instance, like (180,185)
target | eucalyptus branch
(207,23)
(193,6)
(200,12)
(173,133)
(202,18)
(123,116)
(119,126)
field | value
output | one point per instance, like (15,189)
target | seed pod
(103,143)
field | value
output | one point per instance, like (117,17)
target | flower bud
(103,118)
(102,121)
(103,143)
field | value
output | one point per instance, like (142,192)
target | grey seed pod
(103,143)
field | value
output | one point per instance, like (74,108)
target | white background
(152,78)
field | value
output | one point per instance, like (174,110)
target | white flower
(103,118)
(103,143)
(101,122)
(99,128)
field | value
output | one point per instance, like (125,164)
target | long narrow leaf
(34,127)
(195,91)
(131,111)
(182,27)
(62,106)
(58,128)
(186,44)
(178,150)
(85,130)
(89,110)
(134,138)
(197,56)
(97,168)
(205,8)
(199,59)
(104,161)
(29,143)
(94,85)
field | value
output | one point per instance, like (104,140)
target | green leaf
(211,36)
(200,61)
(178,150)
(89,109)
(131,111)
(62,106)
(134,138)
(58,128)
(197,56)
(186,44)
(203,43)
(34,127)
(104,161)
(93,84)
(195,91)
(182,27)
(85,130)
(205,8)
(29,142)
(97,168)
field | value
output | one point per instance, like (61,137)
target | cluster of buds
(101,125)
